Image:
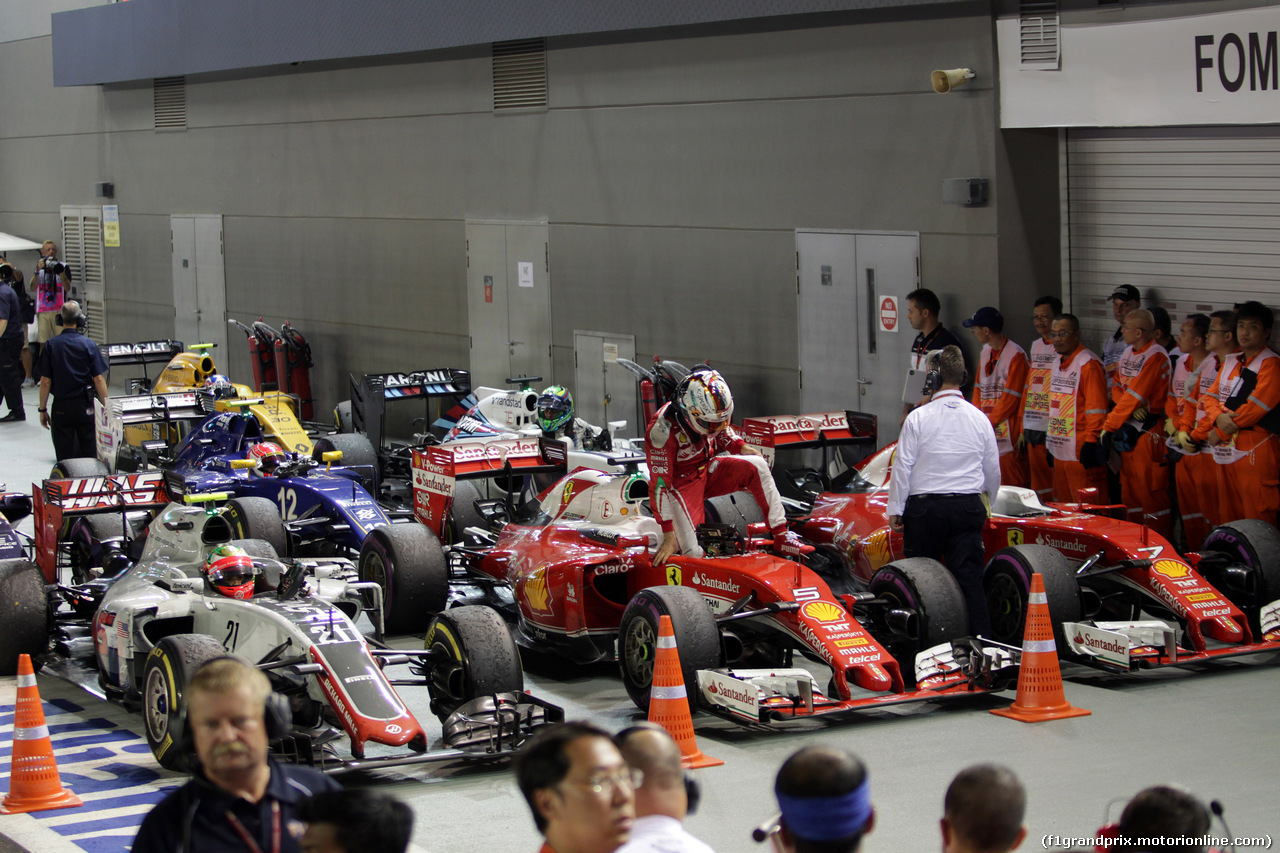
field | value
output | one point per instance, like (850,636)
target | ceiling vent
(520,75)
(169,101)
(1038,20)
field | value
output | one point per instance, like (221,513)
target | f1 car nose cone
(871,677)
(1224,629)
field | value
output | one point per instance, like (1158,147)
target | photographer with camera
(51,280)
(71,367)
(13,332)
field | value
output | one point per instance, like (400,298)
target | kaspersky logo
(823,611)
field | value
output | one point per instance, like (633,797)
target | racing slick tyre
(1007,580)
(408,562)
(473,655)
(356,450)
(68,469)
(697,638)
(1253,545)
(342,417)
(925,588)
(463,513)
(257,518)
(24,612)
(169,668)
(738,509)
(84,539)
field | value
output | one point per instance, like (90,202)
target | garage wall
(672,171)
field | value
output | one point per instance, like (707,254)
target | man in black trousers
(73,369)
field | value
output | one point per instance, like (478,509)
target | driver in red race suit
(686,445)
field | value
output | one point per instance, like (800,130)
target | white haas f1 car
(195,593)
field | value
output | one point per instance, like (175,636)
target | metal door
(848,360)
(199,282)
(604,391)
(508,301)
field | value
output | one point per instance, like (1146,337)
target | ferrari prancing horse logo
(1015,536)
(674,576)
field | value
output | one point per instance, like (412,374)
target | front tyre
(24,613)
(1254,580)
(408,562)
(165,677)
(696,634)
(473,655)
(931,596)
(1007,581)
(257,518)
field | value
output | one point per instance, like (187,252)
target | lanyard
(923,346)
(248,839)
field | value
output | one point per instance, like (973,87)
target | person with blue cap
(825,800)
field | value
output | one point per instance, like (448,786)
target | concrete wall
(673,171)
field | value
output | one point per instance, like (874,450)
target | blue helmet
(555,408)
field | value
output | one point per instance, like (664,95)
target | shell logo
(536,592)
(877,548)
(823,611)
(1171,568)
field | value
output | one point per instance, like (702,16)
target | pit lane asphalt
(1212,729)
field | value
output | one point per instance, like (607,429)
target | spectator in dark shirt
(73,369)
(13,332)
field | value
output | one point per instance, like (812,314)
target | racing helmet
(555,408)
(268,454)
(704,399)
(229,569)
(219,387)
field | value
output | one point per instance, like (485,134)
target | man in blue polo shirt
(13,332)
(73,369)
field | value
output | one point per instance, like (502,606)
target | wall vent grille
(169,99)
(520,75)
(1039,23)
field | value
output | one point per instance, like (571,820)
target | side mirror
(15,506)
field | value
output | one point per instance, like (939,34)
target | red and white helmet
(705,401)
(230,571)
(268,454)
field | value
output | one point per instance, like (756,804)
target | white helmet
(705,401)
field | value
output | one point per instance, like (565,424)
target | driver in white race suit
(686,445)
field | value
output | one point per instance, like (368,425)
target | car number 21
(287,500)
(233,635)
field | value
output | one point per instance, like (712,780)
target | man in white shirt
(945,465)
(666,795)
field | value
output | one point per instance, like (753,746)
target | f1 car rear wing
(371,391)
(144,353)
(57,500)
(822,430)
(120,412)
(437,469)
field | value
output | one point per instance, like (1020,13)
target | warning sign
(889,314)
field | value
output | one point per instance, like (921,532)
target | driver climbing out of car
(268,455)
(694,454)
(229,570)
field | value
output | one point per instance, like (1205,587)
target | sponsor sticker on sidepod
(740,698)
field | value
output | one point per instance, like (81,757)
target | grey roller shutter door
(1191,214)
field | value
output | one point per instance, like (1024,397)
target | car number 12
(287,500)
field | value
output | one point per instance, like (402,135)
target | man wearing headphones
(945,467)
(72,368)
(666,794)
(239,800)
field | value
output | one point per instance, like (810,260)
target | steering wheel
(295,466)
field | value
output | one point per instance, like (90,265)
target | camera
(54,266)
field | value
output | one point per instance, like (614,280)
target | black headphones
(692,785)
(277,716)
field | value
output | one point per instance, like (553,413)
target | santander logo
(1101,645)
(724,691)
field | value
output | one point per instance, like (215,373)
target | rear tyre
(1255,546)
(408,562)
(342,417)
(165,677)
(474,655)
(84,466)
(463,512)
(356,450)
(257,518)
(24,613)
(697,638)
(923,587)
(1007,581)
(738,509)
(84,540)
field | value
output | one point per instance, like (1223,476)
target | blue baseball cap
(985,317)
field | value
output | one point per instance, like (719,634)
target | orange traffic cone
(669,701)
(34,784)
(1040,694)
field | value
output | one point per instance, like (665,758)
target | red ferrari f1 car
(1102,573)
(577,578)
